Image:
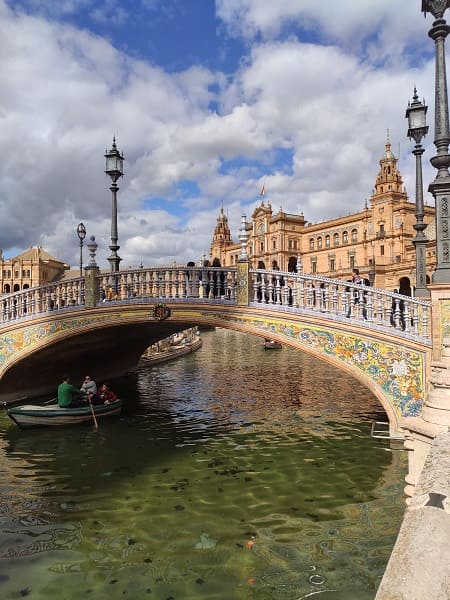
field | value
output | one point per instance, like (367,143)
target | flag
(263,190)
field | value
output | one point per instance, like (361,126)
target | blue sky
(207,99)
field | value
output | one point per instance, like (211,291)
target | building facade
(377,240)
(29,269)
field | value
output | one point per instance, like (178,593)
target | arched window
(336,239)
(311,244)
(345,237)
(16,287)
(354,235)
(327,241)
(319,243)
(6,288)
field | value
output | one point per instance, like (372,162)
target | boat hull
(30,416)
(272,345)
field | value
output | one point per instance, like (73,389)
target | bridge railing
(309,294)
(341,300)
(61,295)
(170,283)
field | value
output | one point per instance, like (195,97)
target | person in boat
(88,386)
(106,395)
(68,395)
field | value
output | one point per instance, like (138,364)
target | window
(327,241)
(382,250)
(354,235)
(319,243)
(332,264)
(261,246)
(292,244)
(16,275)
(336,239)
(311,244)
(314,265)
(352,261)
(345,237)
(274,244)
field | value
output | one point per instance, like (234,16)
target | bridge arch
(109,340)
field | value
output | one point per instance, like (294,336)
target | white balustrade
(341,300)
(330,298)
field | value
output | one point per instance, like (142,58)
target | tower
(221,238)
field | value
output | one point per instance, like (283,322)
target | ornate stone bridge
(103,323)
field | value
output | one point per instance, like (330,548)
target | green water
(210,486)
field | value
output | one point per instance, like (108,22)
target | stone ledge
(419,564)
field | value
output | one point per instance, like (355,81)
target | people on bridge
(358,280)
(106,395)
(68,395)
(88,386)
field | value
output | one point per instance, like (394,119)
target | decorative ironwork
(436,7)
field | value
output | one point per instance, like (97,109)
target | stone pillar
(91,287)
(435,416)
(243,283)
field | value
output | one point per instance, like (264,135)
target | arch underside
(110,341)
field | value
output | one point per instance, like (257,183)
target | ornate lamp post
(114,168)
(81,233)
(440,187)
(417,129)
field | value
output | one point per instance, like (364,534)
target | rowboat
(271,344)
(35,415)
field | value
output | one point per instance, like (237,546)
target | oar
(92,411)
(52,401)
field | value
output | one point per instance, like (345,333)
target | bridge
(104,322)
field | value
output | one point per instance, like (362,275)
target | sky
(207,100)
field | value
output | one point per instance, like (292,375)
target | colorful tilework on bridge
(29,336)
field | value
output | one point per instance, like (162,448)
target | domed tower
(221,239)
(389,182)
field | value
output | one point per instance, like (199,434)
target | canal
(234,473)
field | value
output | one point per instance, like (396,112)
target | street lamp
(114,168)
(417,129)
(440,187)
(81,233)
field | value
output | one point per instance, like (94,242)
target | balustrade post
(243,282)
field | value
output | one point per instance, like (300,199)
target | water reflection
(209,486)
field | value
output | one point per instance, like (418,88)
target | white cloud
(65,92)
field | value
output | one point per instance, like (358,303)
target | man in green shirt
(68,395)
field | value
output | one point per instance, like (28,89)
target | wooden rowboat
(271,344)
(35,415)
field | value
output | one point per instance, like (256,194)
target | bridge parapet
(285,291)
(341,300)
(170,283)
(65,294)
